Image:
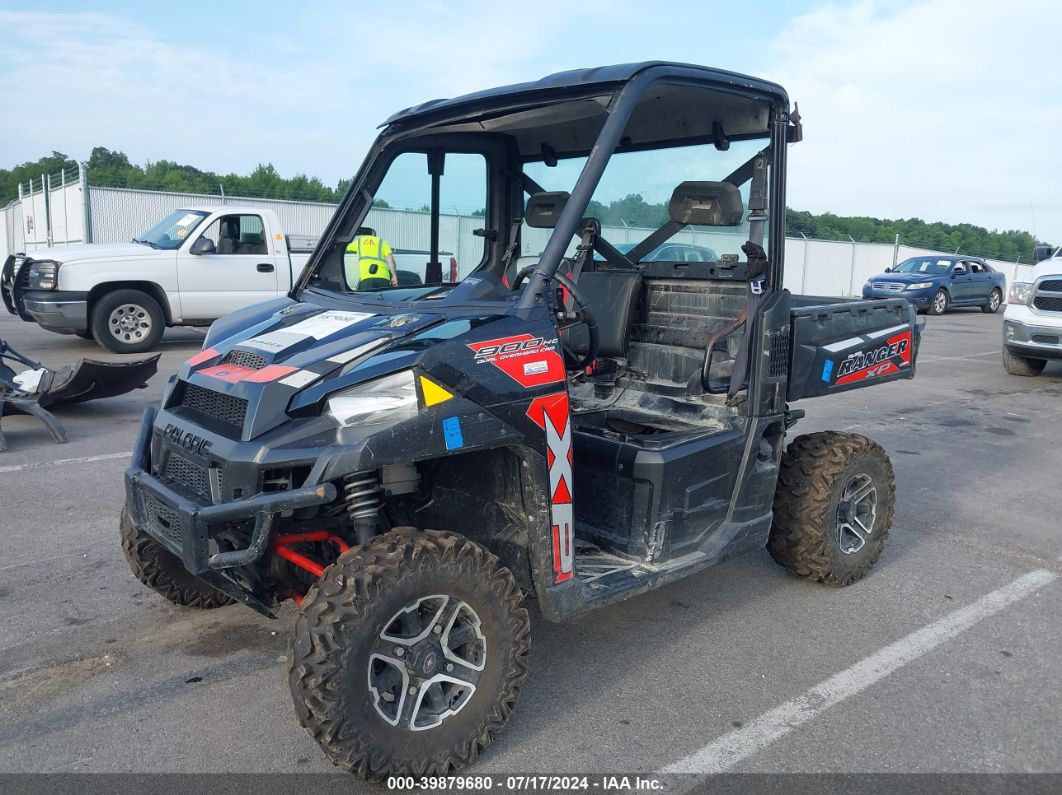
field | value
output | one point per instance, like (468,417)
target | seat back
(228,236)
(252,243)
(615,298)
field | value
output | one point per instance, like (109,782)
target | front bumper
(183,526)
(1031,339)
(920,298)
(64,312)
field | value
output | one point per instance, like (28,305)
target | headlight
(386,400)
(43,275)
(919,286)
(1019,293)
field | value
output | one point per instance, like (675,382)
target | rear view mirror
(706,204)
(1040,253)
(203,245)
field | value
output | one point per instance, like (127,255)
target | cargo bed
(837,344)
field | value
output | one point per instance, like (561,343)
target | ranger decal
(890,357)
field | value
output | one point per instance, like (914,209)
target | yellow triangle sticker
(433,393)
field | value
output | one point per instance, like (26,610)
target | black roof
(604,77)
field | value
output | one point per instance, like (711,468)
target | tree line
(108,168)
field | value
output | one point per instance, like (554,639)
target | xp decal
(891,357)
(550,413)
(530,361)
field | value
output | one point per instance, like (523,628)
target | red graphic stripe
(202,356)
(234,373)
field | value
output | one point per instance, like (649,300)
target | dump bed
(837,344)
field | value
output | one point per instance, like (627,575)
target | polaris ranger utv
(577,426)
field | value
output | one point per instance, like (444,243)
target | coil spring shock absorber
(362,495)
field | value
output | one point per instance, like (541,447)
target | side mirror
(203,245)
(1040,253)
(888,270)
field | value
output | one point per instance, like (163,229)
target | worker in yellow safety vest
(370,257)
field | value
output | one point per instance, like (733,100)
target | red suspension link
(282,547)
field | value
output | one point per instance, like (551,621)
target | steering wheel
(584,316)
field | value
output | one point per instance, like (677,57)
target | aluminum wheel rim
(129,323)
(940,302)
(993,300)
(425,664)
(857,512)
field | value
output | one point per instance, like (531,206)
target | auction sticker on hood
(319,326)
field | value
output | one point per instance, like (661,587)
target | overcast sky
(941,109)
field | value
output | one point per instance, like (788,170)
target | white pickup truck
(189,269)
(1032,324)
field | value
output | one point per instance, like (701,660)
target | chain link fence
(62,209)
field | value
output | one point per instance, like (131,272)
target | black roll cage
(625,96)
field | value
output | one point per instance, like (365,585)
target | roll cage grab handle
(569,221)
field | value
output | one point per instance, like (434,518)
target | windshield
(172,230)
(930,265)
(632,198)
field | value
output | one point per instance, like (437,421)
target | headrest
(706,204)
(544,208)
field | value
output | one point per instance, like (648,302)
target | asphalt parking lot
(944,660)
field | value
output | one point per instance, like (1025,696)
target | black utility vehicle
(409,464)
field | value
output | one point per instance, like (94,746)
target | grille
(227,408)
(779,354)
(163,521)
(248,359)
(1048,303)
(892,286)
(1051,286)
(191,477)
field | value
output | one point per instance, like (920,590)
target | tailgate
(838,345)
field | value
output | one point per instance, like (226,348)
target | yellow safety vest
(372,257)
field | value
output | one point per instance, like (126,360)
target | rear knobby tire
(163,572)
(343,618)
(817,472)
(1022,365)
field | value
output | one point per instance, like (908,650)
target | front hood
(1049,267)
(303,348)
(87,251)
(903,278)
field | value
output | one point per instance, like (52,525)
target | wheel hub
(129,323)
(857,512)
(426,662)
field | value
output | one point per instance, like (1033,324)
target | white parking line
(733,747)
(922,359)
(86,460)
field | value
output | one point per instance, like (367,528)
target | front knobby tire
(833,507)
(419,609)
(163,572)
